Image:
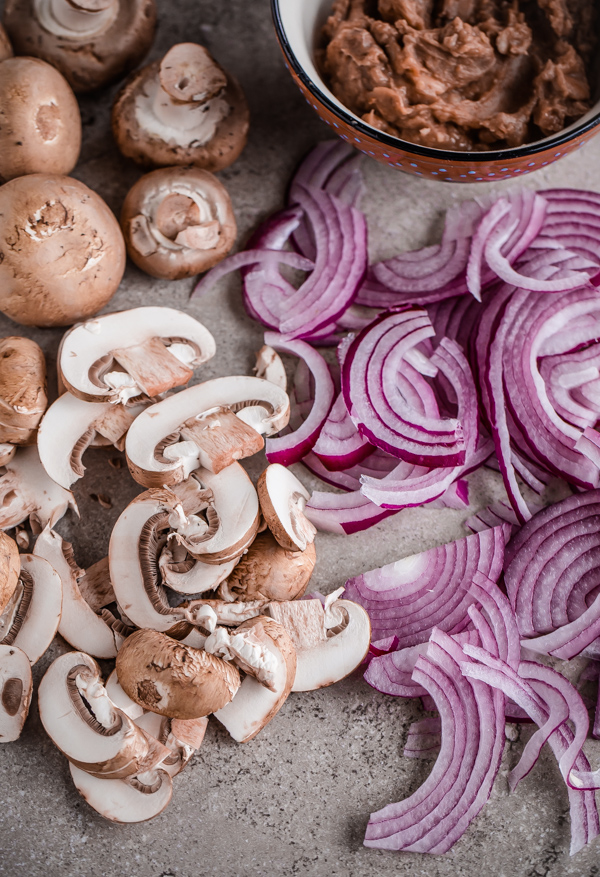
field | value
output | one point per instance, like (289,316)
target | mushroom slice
(330,642)
(7,452)
(269,572)
(155,453)
(87,727)
(135,799)
(269,366)
(79,624)
(255,705)
(23,397)
(181,736)
(122,700)
(282,500)
(145,350)
(32,616)
(16,687)
(183,110)
(68,429)
(175,680)
(178,222)
(10,568)
(188,575)
(96,587)
(27,491)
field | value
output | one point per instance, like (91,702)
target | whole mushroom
(182,110)
(91,42)
(178,222)
(40,125)
(62,254)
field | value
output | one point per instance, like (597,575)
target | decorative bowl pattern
(297,22)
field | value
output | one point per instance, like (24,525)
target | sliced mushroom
(143,351)
(182,110)
(178,222)
(62,254)
(330,642)
(269,572)
(69,427)
(10,568)
(79,624)
(122,700)
(96,587)
(134,799)
(182,737)
(31,618)
(195,428)
(16,687)
(140,536)
(87,727)
(188,575)
(269,366)
(255,705)
(175,680)
(7,452)
(283,499)
(27,491)
(23,397)
(92,42)
(41,125)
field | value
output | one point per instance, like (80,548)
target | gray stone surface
(296,800)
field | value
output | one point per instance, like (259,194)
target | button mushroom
(16,687)
(31,618)
(92,42)
(27,491)
(255,705)
(198,427)
(23,397)
(143,351)
(173,679)
(40,125)
(282,500)
(330,642)
(178,222)
(182,110)
(62,254)
(87,727)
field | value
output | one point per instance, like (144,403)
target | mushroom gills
(33,620)
(16,687)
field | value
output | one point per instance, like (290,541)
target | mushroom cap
(10,568)
(62,251)
(282,500)
(27,491)
(255,705)
(152,150)
(89,350)
(37,616)
(125,801)
(167,677)
(16,687)
(258,403)
(91,60)
(178,222)
(40,125)
(270,571)
(23,397)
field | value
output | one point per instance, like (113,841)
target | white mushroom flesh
(125,801)
(16,686)
(34,620)
(246,652)
(269,366)
(175,122)
(65,20)
(26,490)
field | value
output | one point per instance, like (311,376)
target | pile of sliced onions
(482,348)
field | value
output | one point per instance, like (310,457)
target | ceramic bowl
(297,22)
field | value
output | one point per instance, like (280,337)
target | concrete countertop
(296,800)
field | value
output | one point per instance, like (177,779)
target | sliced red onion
(589,444)
(494,514)
(339,444)
(292,447)
(265,257)
(424,738)
(410,597)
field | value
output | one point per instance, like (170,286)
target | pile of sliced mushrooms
(200,597)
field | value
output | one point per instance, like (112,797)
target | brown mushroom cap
(23,397)
(87,62)
(40,125)
(172,679)
(178,222)
(6,50)
(62,254)
(10,568)
(151,150)
(270,571)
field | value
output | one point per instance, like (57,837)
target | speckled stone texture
(296,800)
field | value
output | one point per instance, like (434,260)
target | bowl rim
(515,152)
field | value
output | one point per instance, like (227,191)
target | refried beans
(462,74)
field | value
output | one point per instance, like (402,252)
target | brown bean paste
(462,74)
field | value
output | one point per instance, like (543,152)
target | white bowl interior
(302,20)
